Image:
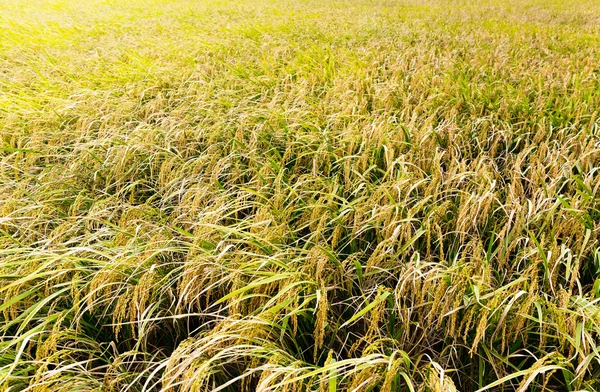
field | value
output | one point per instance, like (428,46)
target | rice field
(278,195)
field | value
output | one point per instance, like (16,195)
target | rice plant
(271,195)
